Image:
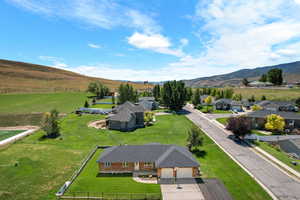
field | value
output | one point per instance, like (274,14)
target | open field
(41,102)
(20,77)
(271,94)
(58,158)
(6,134)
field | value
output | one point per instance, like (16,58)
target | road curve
(281,185)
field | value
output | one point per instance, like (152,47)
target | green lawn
(223,120)
(6,134)
(29,103)
(279,154)
(88,181)
(36,169)
(211,109)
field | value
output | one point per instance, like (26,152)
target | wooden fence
(110,196)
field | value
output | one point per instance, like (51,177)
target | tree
(50,124)
(275,76)
(263,78)
(196,97)
(237,97)
(98,89)
(86,104)
(298,102)
(263,98)
(208,102)
(256,107)
(228,93)
(252,99)
(174,94)
(148,118)
(275,123)
(127,93)
(245,82)
(189,94)
(156,92)
(195,138)
(239,126)
(113,100)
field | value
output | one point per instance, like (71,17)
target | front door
(136,166)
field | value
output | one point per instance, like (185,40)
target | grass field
(6,134)
(43,102)
(271,94)
(223,120)
(35,169)
(211,109)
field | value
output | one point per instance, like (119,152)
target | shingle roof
(123,115)
(267,103)
(130,106)
(163,155)
(227,101)
(265,113)
(146,99)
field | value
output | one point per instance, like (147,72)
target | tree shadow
(199,153)
(53,136)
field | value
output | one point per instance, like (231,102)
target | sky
(150,40)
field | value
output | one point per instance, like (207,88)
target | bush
(275,123)
(256,107)
(240,126)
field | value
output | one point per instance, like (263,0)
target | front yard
(212,110)
(35,169)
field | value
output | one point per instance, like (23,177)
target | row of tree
(273,76)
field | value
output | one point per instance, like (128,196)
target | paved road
(280,184)
(186,192)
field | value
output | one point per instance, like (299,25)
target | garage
(184,173)
(167,173)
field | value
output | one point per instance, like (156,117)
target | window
(107,164)
(148,164)
(125,164)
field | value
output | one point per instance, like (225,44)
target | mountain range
(291,73)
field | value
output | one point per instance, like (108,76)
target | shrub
(50,124)
(148,118)
(256,107)
(275,123)
(195,138)
(239,126)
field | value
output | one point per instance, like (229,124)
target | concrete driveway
(190,191)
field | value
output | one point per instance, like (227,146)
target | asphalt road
(280,184)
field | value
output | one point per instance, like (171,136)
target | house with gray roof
(126,117)
(161,160)
(222,104)
(258,118)
(291,146)
(287,106)
(148,103)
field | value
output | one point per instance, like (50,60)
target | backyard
(6,134)
(58,158)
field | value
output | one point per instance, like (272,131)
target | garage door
(184,173)
(167,173)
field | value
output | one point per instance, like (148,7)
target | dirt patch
(100,124)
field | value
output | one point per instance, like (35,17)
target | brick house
(161,160)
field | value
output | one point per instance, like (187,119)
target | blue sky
(151,40)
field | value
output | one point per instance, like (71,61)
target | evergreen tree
(275,76)
(98,89)
(156,92)
(174,94)
(245,82)
(263,98)
(195,138)
(127,93)
(189,93)
(86,104)
(50,124)
(196,97)
(263,78)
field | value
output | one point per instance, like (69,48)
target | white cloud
(184,42)
(155,42)
(55,62)
(95,46)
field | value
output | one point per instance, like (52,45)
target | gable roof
(161,154)
(275,104)
(130,106)
(265,113)
(225,101)
(123,115)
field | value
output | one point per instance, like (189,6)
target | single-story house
(260,84)
(291,146)
(222,104)
(278,106)
(247,104)
(161,160)
(258,118)
(148,103)
(236,106)
(126,117)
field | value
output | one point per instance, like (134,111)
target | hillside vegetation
(23,77)
(291,73)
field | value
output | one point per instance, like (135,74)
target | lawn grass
(43,102)
(88,181)
(223,120)
(278,153)
(7,134)
(35,169)
(211,110)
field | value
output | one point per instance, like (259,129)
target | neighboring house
(258,118)
(126,117)
(236,106)
(278,106)
(222,104)
(291,146)
(148,103)
(161,160)
(260,84)
(93,111)
(247,104)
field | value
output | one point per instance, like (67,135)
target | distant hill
(291,73)
(26,77)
